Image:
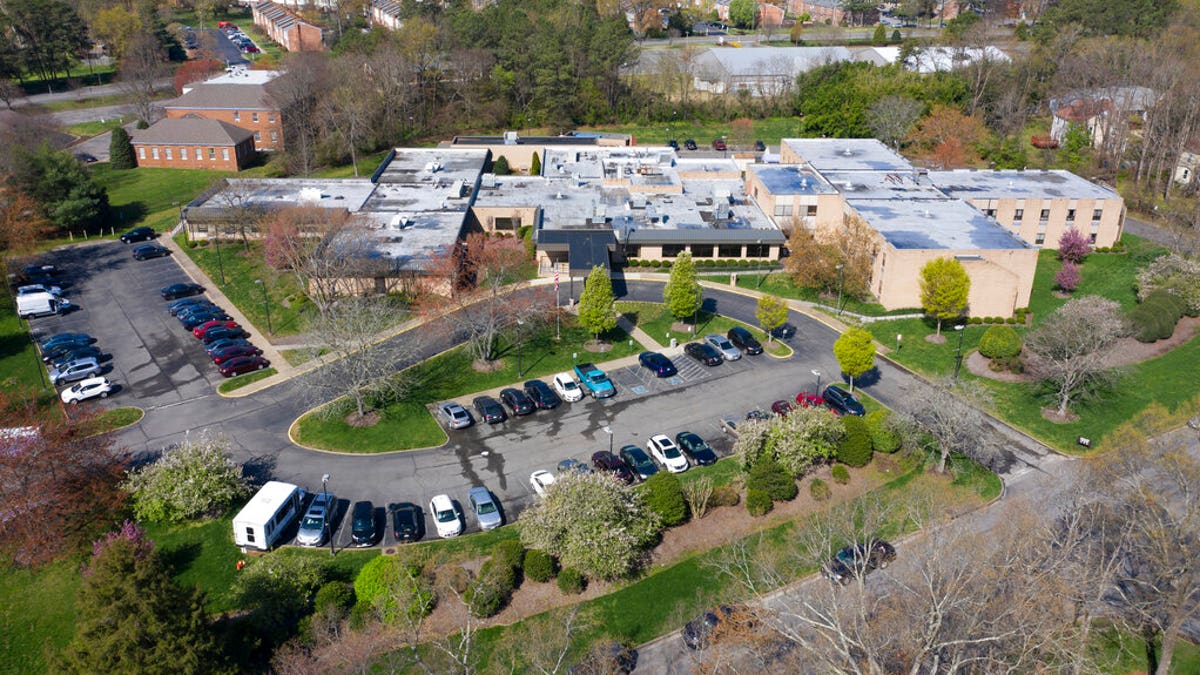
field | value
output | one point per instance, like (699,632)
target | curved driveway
(502,457)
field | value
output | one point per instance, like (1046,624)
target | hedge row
(705,262)
(1156,316)
(1018,318)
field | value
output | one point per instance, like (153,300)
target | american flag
(556,281)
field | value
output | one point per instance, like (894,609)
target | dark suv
(362,524)
(842,401)
(859,560)
(690,144)
(743,340)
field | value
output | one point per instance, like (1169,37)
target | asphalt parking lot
(152,360)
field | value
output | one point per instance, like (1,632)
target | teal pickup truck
(594,381)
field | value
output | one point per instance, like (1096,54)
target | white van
(268,513)
(40,303)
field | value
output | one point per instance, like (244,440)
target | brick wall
(194,157)
(268,127)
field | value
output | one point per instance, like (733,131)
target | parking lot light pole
(841,270)
(220,263)
(958,353)
(328,511)
(609,430)
(266,305)
(520,370)
(818,374)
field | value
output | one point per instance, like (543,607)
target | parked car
(673,144)
(665,451)
(724,346)
(638,461)
(217,345)
(730,426)
(807,399)
(59,350)
(62,338)
(698,633)
(542,395)
(147,251)
(484,506)
(605,461)
(85,389)
(181,290)
(694,447)
(203,328)
(38,271)
(446,516)
(572,464)
(757,414)
(541,480)
(517,401)
(240,365)
(138,234)
(75,370)
(489,409)
(690,144)
(759,146)
(233,351)
(842,401)
(76,353)
(703,352)
(784,332)
(219,332)
(194,319)
(30,289)
(454,415)
(362,524)
(566,387)
(743,340)
(407,522)
(858,560)
(719,145)
(782,407)
(180,305)
(658,364)
(316,519)
(594,381)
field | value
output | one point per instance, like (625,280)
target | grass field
(89,129)
(407,425)
(37,614)
(657,322)
(20,366)
(239,381)
(117,418)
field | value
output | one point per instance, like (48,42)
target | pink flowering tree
(1073,246)
(1068,277)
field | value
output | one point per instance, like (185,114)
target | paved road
(83,93)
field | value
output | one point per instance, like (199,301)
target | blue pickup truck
(594,381)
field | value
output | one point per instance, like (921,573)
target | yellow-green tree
(596,312)
(855,352)
(771,314)
(944,289)
(683,293)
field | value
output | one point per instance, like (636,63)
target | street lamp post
(520,370)
(818,374)
(958,353)
(841,270)
(725,145)
(758,264)
(328,511)
(220,263)
(609,430)
(266,305)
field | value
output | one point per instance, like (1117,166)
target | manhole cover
(639,390)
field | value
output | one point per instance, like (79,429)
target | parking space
(152,359)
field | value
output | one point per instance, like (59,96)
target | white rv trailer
(268,513)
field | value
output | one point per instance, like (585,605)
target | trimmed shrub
(664,496)
(334,595)
(490,591)
(539,565)
(758,502)
(393,587)
(1010,364)
(571,582)
(724,495)
(855,448)
(1156,316)
(819,490)
(500,166)
(770,477)
(1000,342)
(509,552)
(975,320)
(883,434)
(841,475)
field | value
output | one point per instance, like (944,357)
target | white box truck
(41,303)
(267,515)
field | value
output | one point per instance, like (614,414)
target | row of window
(237,116)
(810,211)
(183,153)
(1019,214)
(1041,238)
(707,250)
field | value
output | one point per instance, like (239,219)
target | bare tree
(348,108)
(142,66)
(297,93)
(540,644)
(10,91)
(1068,349)
(949,413)
(324,249)
(891,118)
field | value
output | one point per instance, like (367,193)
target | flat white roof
(847,154)
(1017,184)
(948,224)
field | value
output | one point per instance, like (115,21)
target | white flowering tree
(194,480)
(593,523)
(807,437)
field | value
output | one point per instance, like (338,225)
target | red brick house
(194,143)
(287,28)
(248,106)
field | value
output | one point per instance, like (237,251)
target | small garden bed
(235,383)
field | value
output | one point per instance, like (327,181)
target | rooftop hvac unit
(310,195)
(401,222)
(510,138)
(433,167)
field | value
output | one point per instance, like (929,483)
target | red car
(807,399)
(781,407)
(234,351)
(200,330)
(719,145)
(239,365)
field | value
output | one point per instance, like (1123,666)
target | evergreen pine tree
(120,150)
(535,166)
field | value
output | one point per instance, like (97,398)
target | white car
(89,388)
(445,514)
(665,451)
(723,345)
(541,480)
(566,387)
(39,288)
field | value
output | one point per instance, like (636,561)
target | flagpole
(557,312)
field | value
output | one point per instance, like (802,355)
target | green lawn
(1128,653)
(780,284)
(90,129)
(239,381)
(1110,275)
(136,194)
(117,418)
(37,614)
(20,366)
(656,321)
(407,425)
(240,269)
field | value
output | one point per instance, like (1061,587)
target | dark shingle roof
(192,131)
(224,97)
